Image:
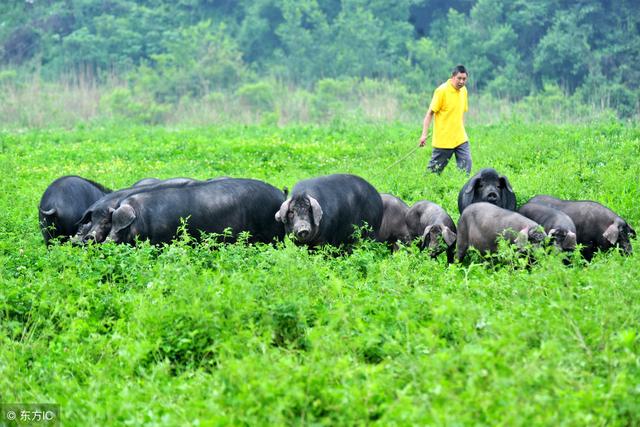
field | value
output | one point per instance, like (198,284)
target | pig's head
(530,235)
(301,216)
(488,186)
(49,224)
(437,239)
(124,226)
(95,224)
(619,234)
(563,239)
(83,230)
(84,226)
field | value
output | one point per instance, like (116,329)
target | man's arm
(425,126)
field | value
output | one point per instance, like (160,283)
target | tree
(304,34)
(257,34)
(200,59)
(563,52)
(429,65)
(356,47)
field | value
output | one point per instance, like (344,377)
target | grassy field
(257,335)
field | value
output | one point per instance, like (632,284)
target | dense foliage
(186,48)
(258,335)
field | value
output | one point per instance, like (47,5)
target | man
(448,106)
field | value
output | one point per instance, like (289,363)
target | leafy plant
(208,332)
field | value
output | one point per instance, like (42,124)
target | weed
(200,331)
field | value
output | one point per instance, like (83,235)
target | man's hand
(423,139)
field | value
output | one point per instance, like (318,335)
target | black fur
(211,206)
(63,204)
(592,221)
(344,201)
(487,186)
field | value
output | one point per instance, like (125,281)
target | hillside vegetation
(153,59)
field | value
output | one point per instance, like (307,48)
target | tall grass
(31,102)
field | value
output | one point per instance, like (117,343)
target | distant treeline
(174,49)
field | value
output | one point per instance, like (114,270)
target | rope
(396,162)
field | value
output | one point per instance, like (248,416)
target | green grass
(259,335)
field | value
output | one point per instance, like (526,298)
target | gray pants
(440,157)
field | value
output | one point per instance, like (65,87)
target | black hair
(459,69)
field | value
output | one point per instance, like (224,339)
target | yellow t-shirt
(449,105)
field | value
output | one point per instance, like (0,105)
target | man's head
(459,76)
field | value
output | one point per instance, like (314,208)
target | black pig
(556,223)
(95,223)
(394,224)
(487,186)
(242,205)
(482,224)
(433,225)
(326,209)
(597,227)
(63,204)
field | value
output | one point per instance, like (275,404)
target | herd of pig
(325,210)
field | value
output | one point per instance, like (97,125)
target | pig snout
(570,241)
(302,233)
(537,236)
(492,197)
(95,236)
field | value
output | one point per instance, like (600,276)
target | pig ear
(317,211)
(465,197)
(122,218)
(426,238)
(448,235)
(426,231)
(86,217)
(505,183)
(523,238)
(507,194)
(49,212)
(611,233)
(471,185)
(281,215)
(570,241)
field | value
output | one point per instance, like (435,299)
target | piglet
(482,224)
(597,227)
(557,224)
(394,225)
(435,228)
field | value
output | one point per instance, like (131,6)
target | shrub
(121,103)
(258,96)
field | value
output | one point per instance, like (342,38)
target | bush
(121,104)
(8,76)
(201,59)
(258,96)
(331,98)
(553,104)
(625,101)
